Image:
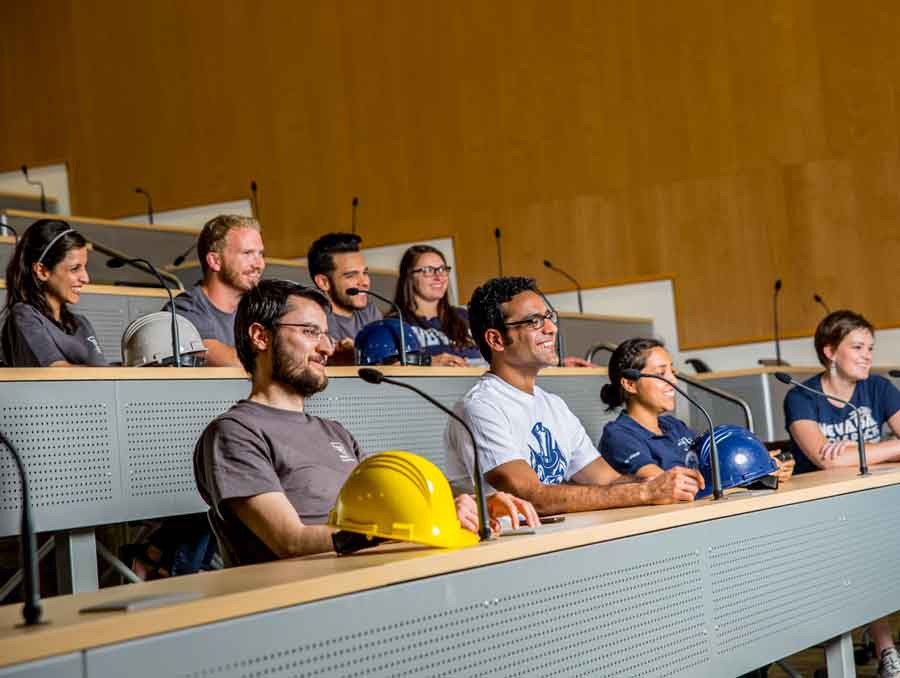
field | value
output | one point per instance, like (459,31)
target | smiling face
(524,347)
(299,357)
(653,395)
(852,358)
(430,288)
(240,264)
(62,285)
(350,271)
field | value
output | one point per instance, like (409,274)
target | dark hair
(452,323)
(24,287)
(834,327)
(631,354)
(320,257)
(484,307)
(212,235)
(265,304)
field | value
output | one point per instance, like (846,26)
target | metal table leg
(76,561)
(839,657)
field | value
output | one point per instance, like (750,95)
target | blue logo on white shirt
(547,461)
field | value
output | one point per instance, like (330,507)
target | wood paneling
(724,143)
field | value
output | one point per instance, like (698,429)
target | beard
(285,370)
(232,278)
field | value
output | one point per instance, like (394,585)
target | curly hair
(484,307)
(631,354)
(834,327)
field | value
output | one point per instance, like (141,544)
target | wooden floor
(808,661)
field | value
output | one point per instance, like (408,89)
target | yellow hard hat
(402,496)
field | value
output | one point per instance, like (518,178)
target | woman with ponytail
(644,440)
(46,273)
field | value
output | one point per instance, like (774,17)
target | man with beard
(530,443)
(269,471)
(336,265)
(230,249)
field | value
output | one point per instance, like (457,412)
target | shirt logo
(96,343)
(341,451)
(847,429)
(429,336)
(691,460)
(547,461)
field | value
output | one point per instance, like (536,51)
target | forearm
(306,541)
(552,499)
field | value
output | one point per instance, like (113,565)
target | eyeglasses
(433,270)
(536,321)
(310,331)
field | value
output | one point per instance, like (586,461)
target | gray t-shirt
(253,449)
(344,327)
(36,341)
(210,322)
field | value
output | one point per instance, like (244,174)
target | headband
(52,243)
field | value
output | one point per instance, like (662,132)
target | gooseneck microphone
(353,291)
(354,206)
(818,299)
(634,375)
(785,378)
(895,374)
(31,610)
(374,376)
(119,262)
(499,245)
(35,182)
(254,200)
(4,225)
(179,260)
(549,265)
(149,202)
(775,307)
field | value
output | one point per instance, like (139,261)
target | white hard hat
(147,342)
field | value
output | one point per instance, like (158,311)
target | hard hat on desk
(401,496)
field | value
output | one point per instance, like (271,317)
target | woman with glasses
(422,297)
(47,273)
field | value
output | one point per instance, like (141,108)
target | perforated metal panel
(67,666)
(710,599)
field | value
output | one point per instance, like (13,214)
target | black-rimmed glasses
(536,321)
(433,270)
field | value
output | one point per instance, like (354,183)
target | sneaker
(889,663)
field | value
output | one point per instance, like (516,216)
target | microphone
(31,610)
(353,291)
(499,252)
(35,182)
(577,285)
(119,262)
(149,202)
(634,375)
(5,225)
(181,257)
(354,205)
(820,302)
(254,201)
(785,378)
(895,374)
(374,376)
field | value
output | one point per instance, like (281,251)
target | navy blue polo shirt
(877,399)
(627,446)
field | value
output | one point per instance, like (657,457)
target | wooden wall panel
(724,143)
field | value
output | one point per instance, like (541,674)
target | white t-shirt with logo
(509,425)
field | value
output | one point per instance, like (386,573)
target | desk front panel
(717,598)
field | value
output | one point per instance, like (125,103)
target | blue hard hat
(742,458)
(379,342)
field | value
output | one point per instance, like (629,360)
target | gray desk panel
(6,252)
(13,201)
(66,666)
(712,599)
(582,333)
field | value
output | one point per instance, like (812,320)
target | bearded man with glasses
(531,444)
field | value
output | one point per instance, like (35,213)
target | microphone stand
(499,252)
(353,291)
(354,205)
(575,282)
(714,452)
(785,378)
(118,262)
(36,183)
(254,198)
(374,376)
(149,202)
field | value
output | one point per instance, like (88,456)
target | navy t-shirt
(876,397)
(627,446)
(434,341)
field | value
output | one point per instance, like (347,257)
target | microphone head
(632,374)
(817,299)
(370,375)
(138,190)
(353,291)
(778,284)
(253,186)
(355,201)
(115,262)
(25,170)
(179,260)
(783,377)
(547,263)
(496,232)
(895,374)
